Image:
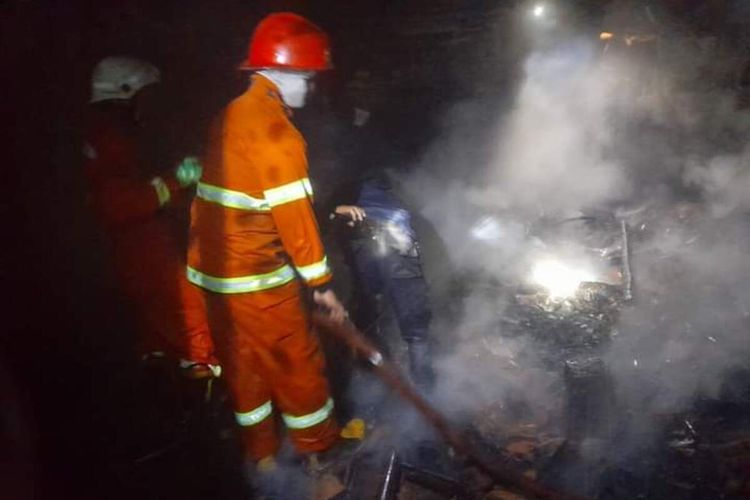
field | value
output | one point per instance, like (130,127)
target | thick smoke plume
(555,152)
(612,132)
(724,180)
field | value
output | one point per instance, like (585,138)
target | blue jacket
(382,207)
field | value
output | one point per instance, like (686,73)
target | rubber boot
(420,365)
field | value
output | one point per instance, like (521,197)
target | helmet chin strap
(293,85)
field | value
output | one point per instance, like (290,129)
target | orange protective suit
(146,256)
(253,240)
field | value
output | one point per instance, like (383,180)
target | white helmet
(121,78)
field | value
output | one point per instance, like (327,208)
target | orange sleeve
(121,200)
(118,195)
(286,188)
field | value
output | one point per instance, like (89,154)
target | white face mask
(293,85)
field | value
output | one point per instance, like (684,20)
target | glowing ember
(560,280)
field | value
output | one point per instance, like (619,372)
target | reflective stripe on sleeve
(231,199)
(293,191)
(254,416)
(242,284)
(314,271)
(162,190)
(311,419)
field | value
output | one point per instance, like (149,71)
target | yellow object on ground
(267,464)
(354,429)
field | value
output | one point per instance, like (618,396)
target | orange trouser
(274,367)
(170,310)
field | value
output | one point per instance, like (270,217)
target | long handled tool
(387,372)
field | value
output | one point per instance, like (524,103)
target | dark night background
(64,341)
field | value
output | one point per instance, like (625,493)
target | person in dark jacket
(381,245)
(387,268)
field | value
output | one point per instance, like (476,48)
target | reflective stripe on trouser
(311,419)
(254,416)
(257,415)
(269,354)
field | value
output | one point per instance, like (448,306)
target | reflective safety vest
(252,223)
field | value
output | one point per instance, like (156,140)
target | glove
(189,171)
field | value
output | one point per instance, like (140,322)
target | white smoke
(552,154)
(724,179)
(584,133)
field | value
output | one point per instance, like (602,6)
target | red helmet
(288,41)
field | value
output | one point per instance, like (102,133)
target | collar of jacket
(264,86)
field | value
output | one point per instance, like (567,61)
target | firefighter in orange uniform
(129,202)
(255,247)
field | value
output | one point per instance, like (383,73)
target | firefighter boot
(420,364)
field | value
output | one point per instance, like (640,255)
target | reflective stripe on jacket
(253,227)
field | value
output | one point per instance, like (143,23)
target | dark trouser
(398,279)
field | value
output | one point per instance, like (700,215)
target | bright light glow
(393,236)
(605,35)
(560,280)
(538,10)
(487,229)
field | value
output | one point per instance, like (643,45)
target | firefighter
(130,201)
(255,248)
